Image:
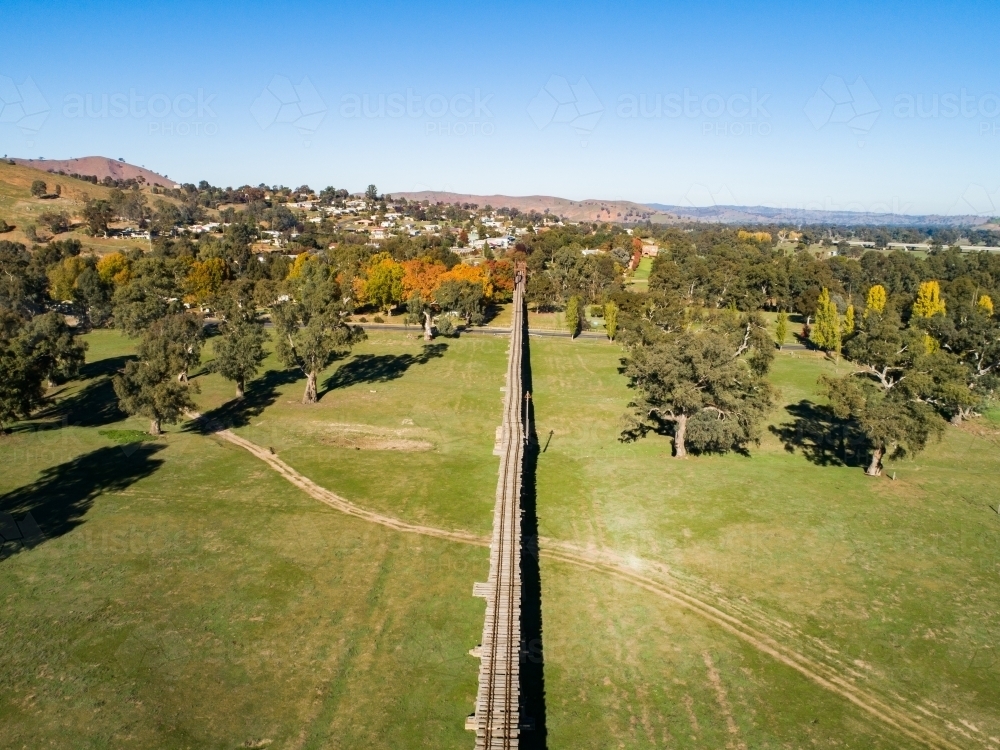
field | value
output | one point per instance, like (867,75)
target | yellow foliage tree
(875,303)
(114,268)
(300,261)
(825,332)
(849,320)
(382,284)
(205,278)
(759,237)
(929,302)
(62,278)
(475,274)
(985,304)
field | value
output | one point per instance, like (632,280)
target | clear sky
(891,106)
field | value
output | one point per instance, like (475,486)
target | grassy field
(186,596)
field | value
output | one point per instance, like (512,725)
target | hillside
(20,209)
(100,167)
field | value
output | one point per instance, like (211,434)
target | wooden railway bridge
(497,720)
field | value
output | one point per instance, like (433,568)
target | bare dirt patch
(369,438)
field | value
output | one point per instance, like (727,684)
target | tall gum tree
(311,329)
(709,385)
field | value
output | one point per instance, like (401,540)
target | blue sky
(846,106)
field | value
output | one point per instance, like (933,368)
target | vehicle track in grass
(820,667)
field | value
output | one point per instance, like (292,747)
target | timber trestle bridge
(497,720)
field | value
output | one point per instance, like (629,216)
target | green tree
(611,319)
(57,354)
(239,353)
(21,385)
(371,193)
(781,329)
(573,314)
(709,386)
(464,297)
(57,223)
(97,214)
(418,312)
(311,330)
(888,393)
(148,387)
(137,305)
(38,188)
(186,335)
(541,292)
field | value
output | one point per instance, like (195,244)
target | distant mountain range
(767,215)
(629,212)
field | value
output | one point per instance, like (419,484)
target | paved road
(485,330)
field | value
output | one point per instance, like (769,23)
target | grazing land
(186,595)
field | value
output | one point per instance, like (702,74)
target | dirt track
(825,672)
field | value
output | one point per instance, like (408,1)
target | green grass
(641,274)
(187,596)
(124,437)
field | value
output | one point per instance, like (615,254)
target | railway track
(497,718)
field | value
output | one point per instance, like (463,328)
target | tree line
(920,335)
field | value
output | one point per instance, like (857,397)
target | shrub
(445,327)
(378,319)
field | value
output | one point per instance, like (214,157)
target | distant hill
(628,212)
(98,166)
(766,215)
(586,210)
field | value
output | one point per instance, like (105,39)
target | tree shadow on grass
(56,502)
(260,394)
(824,439)
(94,405)
(380,368)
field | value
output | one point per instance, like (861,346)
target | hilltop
(98,166)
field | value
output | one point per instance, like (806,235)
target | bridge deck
(497,720)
